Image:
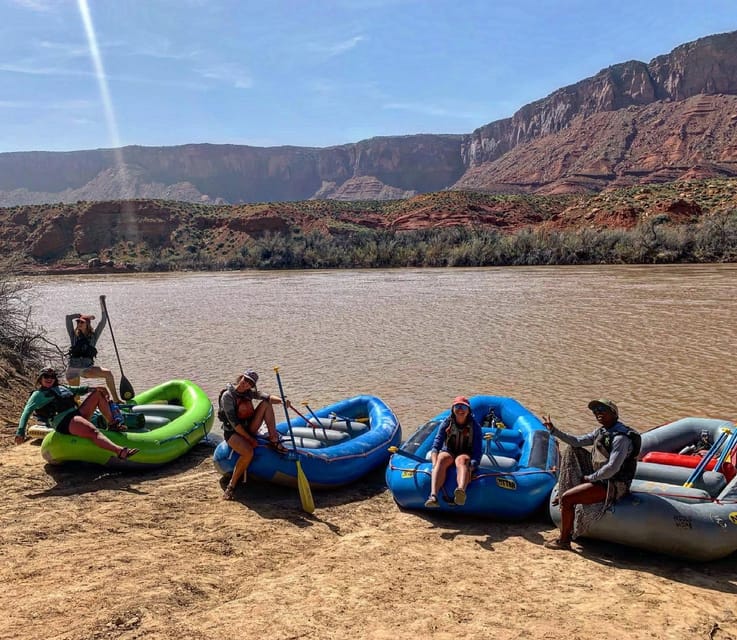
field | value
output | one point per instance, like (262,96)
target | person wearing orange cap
(241,422)
(458,441)
(83,350)
(602,475)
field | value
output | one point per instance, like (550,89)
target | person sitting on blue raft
(458,441)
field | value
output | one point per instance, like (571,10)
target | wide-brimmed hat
(46,371)
(461,400)
(597,404)
(251,375)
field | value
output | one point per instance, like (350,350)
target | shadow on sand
(272,501)
(79,477)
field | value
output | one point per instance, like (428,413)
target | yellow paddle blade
(305,493)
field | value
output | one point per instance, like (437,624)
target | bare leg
(96,400)
(265,413)
(240,445)
(80,426)
(439,471)
(105,374)
(463,463)
(586,493)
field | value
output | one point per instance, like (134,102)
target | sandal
(432,502)
(558,544)
(126,453)
(229,492)
(278,446)
(459,497)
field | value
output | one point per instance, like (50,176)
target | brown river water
(658,340)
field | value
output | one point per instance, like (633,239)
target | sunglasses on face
(600,410)
(460,407)
(48,376)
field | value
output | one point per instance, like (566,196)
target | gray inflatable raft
(660,514)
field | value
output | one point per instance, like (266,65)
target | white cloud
(336,48)
(227,72)
(41,6)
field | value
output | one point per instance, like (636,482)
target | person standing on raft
(83,351)
(241,422)
(602,475)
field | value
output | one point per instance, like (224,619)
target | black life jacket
(459,438)
(60,399)
(604,442)
(82,347)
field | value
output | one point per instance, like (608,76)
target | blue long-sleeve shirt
(439,443)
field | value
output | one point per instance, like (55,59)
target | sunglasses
(48,376)
(460,407)
(600,409)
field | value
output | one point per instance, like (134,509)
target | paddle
(726,450)
(305,493)
(696,473)
(126,388)
(312,413)
(406,454)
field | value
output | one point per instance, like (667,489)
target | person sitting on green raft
(56,403)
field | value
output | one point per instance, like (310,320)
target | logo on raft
(682,522)
(733,517)
(408,474)
(506,483)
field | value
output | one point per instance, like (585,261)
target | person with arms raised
(602,475)
(83,350)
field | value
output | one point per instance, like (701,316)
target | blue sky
(308,72)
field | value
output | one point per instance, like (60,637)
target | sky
(88,74)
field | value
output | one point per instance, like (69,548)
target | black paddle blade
(126,389)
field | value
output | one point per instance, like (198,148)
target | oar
(705,460)
(318,424)
(726,450)
(312,413)
(126,388)
(305,493)
(406,454)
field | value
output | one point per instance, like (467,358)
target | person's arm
(439,441)
(621,449)
(81,390)
(574,441)
(103,320)
(70,325)
(477,445)
(32,404)
(228,403)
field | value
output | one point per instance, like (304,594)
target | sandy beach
(91,554)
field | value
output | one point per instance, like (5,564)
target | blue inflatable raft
(515,476)
(344,442)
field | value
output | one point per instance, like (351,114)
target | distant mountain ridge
(674,118)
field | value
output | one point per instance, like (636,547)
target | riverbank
(91,554)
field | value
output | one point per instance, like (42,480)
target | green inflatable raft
(163,423)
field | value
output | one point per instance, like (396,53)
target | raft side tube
(710,481)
